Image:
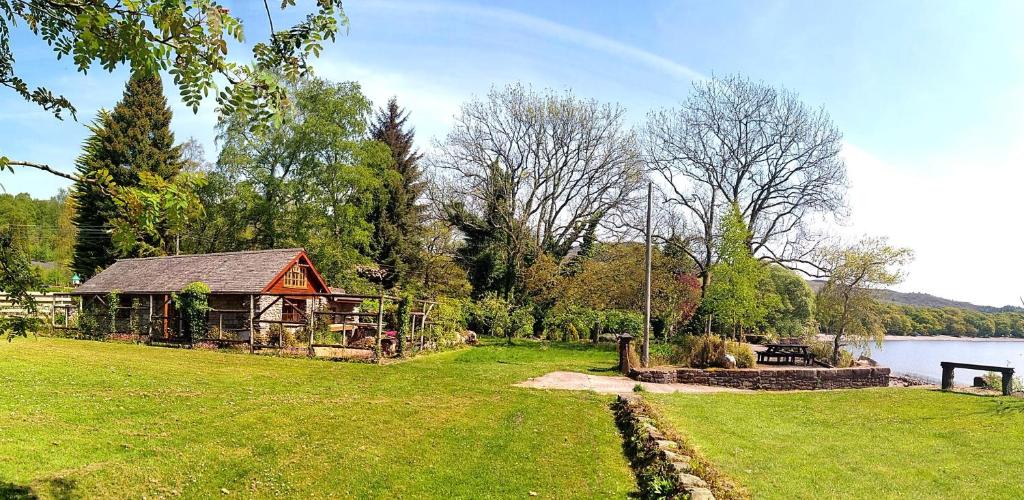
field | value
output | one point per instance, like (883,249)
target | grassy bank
(102,419)
(877,443)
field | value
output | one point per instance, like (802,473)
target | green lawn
(878,443)
(92,419)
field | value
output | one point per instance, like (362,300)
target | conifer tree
(135,137)
(397,216)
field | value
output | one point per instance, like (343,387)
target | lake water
(922,357)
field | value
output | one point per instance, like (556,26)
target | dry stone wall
(779,379)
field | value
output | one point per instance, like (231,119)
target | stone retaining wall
(782,379)
(662,469)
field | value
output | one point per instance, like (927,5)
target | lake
(922,357)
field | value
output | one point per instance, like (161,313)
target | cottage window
(293,310)
(295,277)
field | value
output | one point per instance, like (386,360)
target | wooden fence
(46,303)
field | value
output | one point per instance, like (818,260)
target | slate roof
(231,272)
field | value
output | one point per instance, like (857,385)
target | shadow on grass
(1005,406)
(59,488)
(16,491)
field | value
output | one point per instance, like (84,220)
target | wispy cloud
(550,29)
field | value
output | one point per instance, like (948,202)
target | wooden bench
(947,374)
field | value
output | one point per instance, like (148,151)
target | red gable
(299,276)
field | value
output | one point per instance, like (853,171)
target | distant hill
(926,300)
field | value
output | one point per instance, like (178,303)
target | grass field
(877,443)
(92,419)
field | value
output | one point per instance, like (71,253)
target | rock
(866,361)
(689,481)
(606,337)
(469,337)
(701,494)
(726,361)
(979,382)
(666,444)
(681,466)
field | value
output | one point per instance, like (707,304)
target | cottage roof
(231,272)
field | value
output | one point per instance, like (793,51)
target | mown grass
(878,443)
(91,419)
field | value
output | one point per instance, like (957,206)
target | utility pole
(645,355)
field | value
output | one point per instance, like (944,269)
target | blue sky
(929,96)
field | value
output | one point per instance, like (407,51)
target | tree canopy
(311,182)
(132,146)
(741,293)
(847,308)
(738,142)
(398,215)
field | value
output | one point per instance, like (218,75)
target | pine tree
(134,137)
(397,216)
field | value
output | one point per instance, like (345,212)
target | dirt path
(574,381)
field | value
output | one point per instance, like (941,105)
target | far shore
(940,338)
(950,337)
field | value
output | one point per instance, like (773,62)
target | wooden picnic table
(785,354)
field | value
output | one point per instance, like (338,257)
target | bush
(89,327)
(521,323)
(995,381)
(113,302)
(743,353)
(491,316)
(570,323)
(703,351)
(822,350)
(193,306)
(622,322)
(135,319)
(663,353)
(448,320)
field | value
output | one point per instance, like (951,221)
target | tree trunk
(836,340)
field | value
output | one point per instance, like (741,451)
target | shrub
(113,302)
(89,326)
(743,353)
(492,316)
(622,322)
(193,306)
(822,350)
(567,323)
(275,334)
(995,381)
(703,351)
(521,323)
(663,353)
(447,322)
(404,306)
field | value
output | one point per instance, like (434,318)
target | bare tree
(563,163)
(744,142)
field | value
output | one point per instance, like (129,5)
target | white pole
(646,351)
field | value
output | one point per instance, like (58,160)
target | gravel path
(574,381)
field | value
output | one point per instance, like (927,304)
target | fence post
(625,349)
(380,325)
(252,325)
(947,377)
(310,321)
